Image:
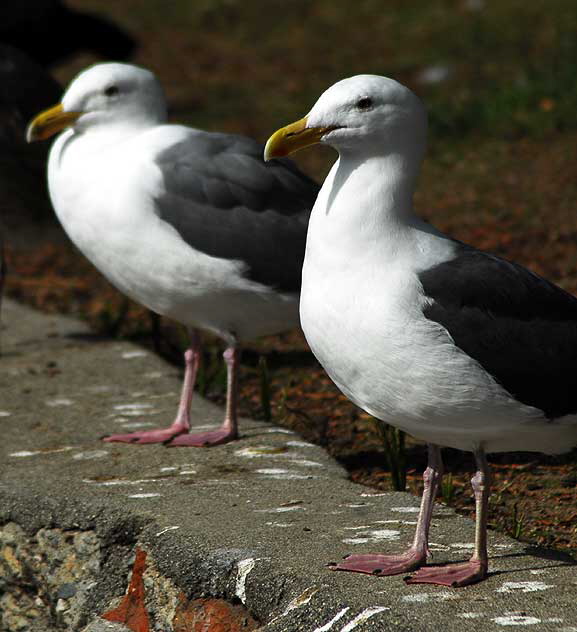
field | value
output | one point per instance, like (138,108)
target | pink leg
(416,555)
(182,422)
(475,570)
(229,429)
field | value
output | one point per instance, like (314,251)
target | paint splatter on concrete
(244,568)
(25,453)
(122,481)
(524,587)
(134,406)
(98,389)
(54,403)
(327,626)
(153,375)
(373,535)
(364,616)
(363,526)
(130,425)
(516,619)
(300,601)
(279,510)
(258,451)
(90,454)
(134,409)
(131,611)
(273,472)
(131,355)
(216,615)
(435,546)
(471,615)
(430,597)
(166,529)
(300,444)
(306,463)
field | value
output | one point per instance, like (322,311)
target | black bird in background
(49,32)
(35,35)
(24,87)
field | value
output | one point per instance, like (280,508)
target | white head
(365,114)
(104,94)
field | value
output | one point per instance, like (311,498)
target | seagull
(453,345)
(191,224)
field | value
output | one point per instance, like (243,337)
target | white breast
(362,314)
(105,202)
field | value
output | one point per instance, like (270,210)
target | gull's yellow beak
(50,122)
(293,137)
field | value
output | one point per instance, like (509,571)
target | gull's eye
(364,103)
(111,91)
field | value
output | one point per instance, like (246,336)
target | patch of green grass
(393,441)
(265,389)
(517,523)
(448,489)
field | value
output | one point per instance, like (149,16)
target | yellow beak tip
(293,137)
(282,142)
(270,151)
(49,123)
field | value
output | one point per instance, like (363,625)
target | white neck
(363,217)
(75,144)
(366,199)
(391,177)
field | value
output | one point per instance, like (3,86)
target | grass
(393,441)
(448,489)
(518,523)
(264,388)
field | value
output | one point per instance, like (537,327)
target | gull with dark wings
(456,346)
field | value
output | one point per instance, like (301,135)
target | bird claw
(207,439)
(160,435)
(452,575)
(380,565)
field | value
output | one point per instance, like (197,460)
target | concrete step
(242,532)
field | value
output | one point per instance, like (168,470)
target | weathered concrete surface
(255,521)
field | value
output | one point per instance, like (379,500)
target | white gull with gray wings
(456,346)
(191,224)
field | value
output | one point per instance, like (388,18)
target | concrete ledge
(252,523)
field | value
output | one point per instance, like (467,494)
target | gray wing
(521,328)
(225,201)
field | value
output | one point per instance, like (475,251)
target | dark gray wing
(225,201)
(521,328)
